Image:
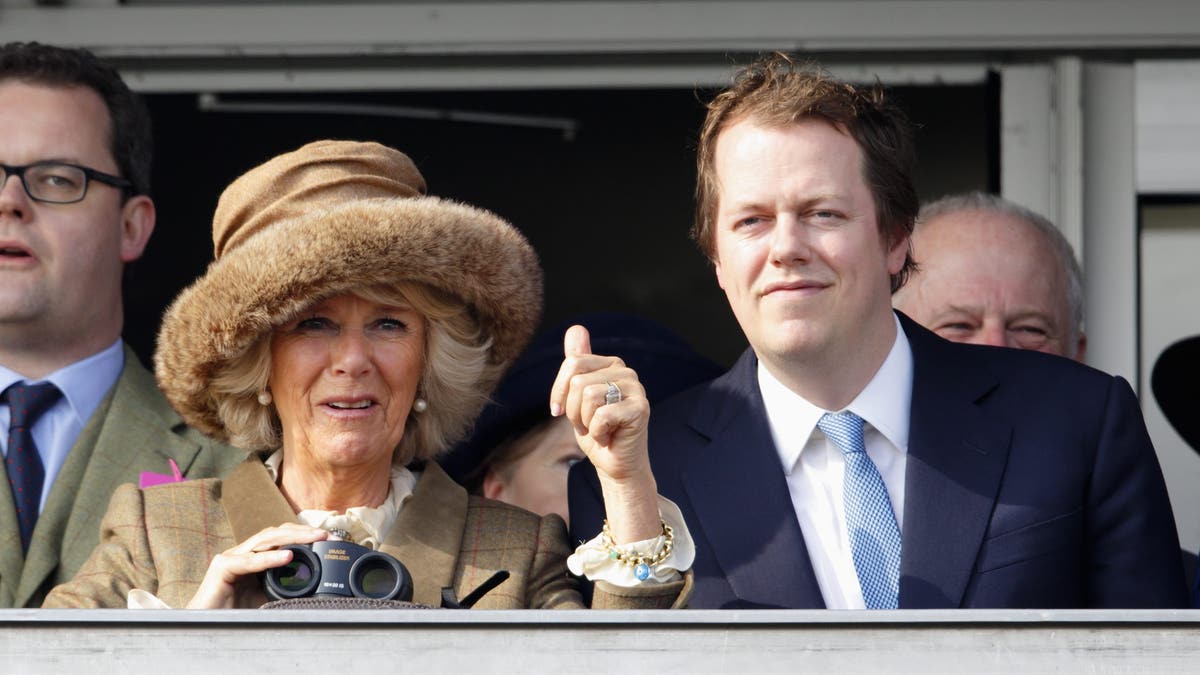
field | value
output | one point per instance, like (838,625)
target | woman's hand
(612,435)
(231,574)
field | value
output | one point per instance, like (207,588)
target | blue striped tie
(870,521)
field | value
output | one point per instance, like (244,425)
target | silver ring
(338,534)
(613,395)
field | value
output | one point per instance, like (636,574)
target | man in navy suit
(851,458)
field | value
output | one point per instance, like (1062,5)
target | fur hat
(328,218)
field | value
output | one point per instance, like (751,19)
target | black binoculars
(338,568)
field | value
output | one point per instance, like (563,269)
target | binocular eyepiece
(338,568)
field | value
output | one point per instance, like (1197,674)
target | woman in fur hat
(350,329)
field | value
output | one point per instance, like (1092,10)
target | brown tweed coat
(162,539)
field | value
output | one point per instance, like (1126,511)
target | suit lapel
(738,491)
(956,459)
(428,533)
(11,557)
(139,431)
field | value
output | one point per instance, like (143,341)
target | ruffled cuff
(139,599)
(593,560)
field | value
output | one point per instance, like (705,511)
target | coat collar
(427,536)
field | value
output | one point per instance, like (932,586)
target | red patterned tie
(22,461)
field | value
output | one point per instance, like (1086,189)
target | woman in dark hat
(518,453)
(348,331)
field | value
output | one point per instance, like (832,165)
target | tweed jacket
(132,430)
(162,539)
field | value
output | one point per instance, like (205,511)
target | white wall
(1171,311)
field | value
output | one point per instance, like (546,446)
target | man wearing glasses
(79,415)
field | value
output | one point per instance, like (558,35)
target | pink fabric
(149,478)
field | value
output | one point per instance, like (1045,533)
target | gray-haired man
(994,272)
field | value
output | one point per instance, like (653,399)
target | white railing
(125,642)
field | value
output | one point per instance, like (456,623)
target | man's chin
(794,340)
(17,305)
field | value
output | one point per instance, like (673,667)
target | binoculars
(338,568)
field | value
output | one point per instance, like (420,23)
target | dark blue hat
(1174,382)
(664,362)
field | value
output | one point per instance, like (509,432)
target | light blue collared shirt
(83,385)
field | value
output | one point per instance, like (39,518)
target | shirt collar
(84,384)
(886,401)
(884,404)
(367,526)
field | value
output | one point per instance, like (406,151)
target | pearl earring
(420,405)
(264,397)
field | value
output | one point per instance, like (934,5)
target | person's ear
(897,255)
(137,224)
(1081,348)
(716,263)
(494,486)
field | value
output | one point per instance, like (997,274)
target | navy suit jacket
(1030,483)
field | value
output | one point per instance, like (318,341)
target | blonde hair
(454,380)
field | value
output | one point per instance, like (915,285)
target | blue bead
(642,572)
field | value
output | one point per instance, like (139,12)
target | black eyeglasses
(57,182)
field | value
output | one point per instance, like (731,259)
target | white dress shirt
(83,384)
(815,467)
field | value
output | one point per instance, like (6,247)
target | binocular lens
(380,576)
(294,576)
(377,580)
(297,578)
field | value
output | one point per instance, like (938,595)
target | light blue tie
(870,521)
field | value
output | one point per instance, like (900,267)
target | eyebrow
(752,204)
(62,160)
(975,310)
(1033,314)
(957,309)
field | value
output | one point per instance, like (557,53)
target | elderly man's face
(344,375)
(60,264)
(990,278)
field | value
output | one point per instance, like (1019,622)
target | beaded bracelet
(640,563)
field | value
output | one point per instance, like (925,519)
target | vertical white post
(1027,142)
(1069,130)
(1110,219)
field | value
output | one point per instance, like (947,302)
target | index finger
(273,537)
(576,342)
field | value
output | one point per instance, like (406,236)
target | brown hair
(776,91)
(130,140)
